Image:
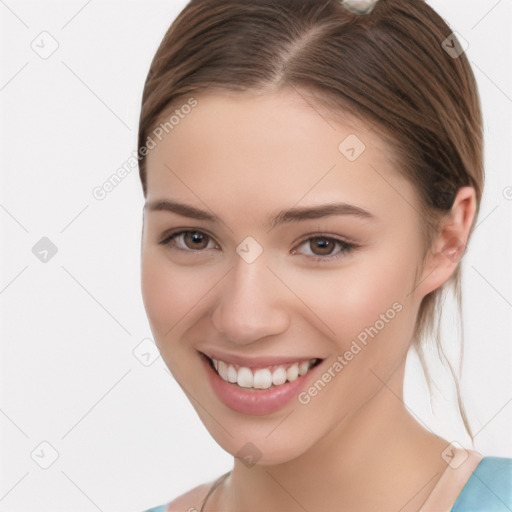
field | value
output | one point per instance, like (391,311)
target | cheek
(172,294)
(352,297)
(372,319)
(169,294)
(371,301)
(369,318)
(166,294)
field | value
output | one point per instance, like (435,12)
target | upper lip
(255,362)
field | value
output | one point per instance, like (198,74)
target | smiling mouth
(262,378)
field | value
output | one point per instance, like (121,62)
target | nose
(251,304)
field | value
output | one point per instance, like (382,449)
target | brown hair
(392,68)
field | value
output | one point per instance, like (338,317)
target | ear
(449,244)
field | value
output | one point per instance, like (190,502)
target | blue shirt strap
(161,508)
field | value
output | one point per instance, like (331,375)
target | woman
(312,173)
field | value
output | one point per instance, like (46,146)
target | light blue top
(488,489)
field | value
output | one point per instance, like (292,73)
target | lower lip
(254,401)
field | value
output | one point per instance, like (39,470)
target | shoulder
(489,487)
(191,501)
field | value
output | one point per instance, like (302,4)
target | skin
(245,158)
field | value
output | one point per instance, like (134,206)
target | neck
(378,458)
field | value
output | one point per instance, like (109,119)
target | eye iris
(195,240)
(325,246)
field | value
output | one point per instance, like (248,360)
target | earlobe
(450,243)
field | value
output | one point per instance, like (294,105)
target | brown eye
(321,246)
(324,248)
(190,241)
(195,240)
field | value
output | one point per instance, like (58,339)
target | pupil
(324,245)
(197,240)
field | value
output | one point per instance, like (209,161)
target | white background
(126,436)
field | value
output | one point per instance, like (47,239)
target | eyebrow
(296,214)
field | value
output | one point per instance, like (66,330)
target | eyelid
(347,244)
(166,235)
(171,235)
(320,234)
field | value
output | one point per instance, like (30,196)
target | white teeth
(223,370)
(303,367)
(279,376)
(293,372)
(232,376)
(262,378)
(245,378)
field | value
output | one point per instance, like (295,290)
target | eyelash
(346,247)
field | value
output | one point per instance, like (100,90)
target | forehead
(278,147)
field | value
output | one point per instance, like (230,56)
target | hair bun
(359,6)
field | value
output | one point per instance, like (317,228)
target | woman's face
(285,246)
